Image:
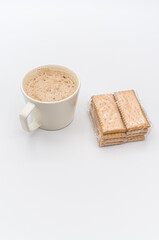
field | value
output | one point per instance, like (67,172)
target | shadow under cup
(49,115)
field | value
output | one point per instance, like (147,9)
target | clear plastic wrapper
(118,118)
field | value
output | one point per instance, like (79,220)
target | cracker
(122,135)
(101,144)
(135,132)
(118,119)
(97,127)
(98,132)
(120,141)
(108,115)
(123,139)
(114,135)
(136,138)
(131,111)
(95,121)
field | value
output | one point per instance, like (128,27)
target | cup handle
(29,107)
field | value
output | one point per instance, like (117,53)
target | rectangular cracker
(123,139)
(127,134)
(130,139)
(139,131)
(122,135)
(131,111)
(136,138)
(95,121)
(99,108)
(108,115)
(109,144)
(114,135)
(97,128)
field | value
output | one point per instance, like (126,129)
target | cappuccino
(48,85)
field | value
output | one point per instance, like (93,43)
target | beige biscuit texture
(140,131)
(118,118)
(122,135)
(131,111)
(109,142)
(112,135)
(108,115)
(95,121)
(129,134)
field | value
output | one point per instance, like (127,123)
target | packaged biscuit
(118,118)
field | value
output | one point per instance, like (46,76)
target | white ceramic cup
(49,115)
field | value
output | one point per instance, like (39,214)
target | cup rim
(49,66)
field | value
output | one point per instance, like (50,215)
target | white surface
(61,185)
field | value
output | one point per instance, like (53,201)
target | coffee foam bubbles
(49,85)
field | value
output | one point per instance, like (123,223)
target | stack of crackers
(118,118)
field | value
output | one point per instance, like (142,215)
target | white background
(61,185)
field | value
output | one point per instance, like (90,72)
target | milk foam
(49,85)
